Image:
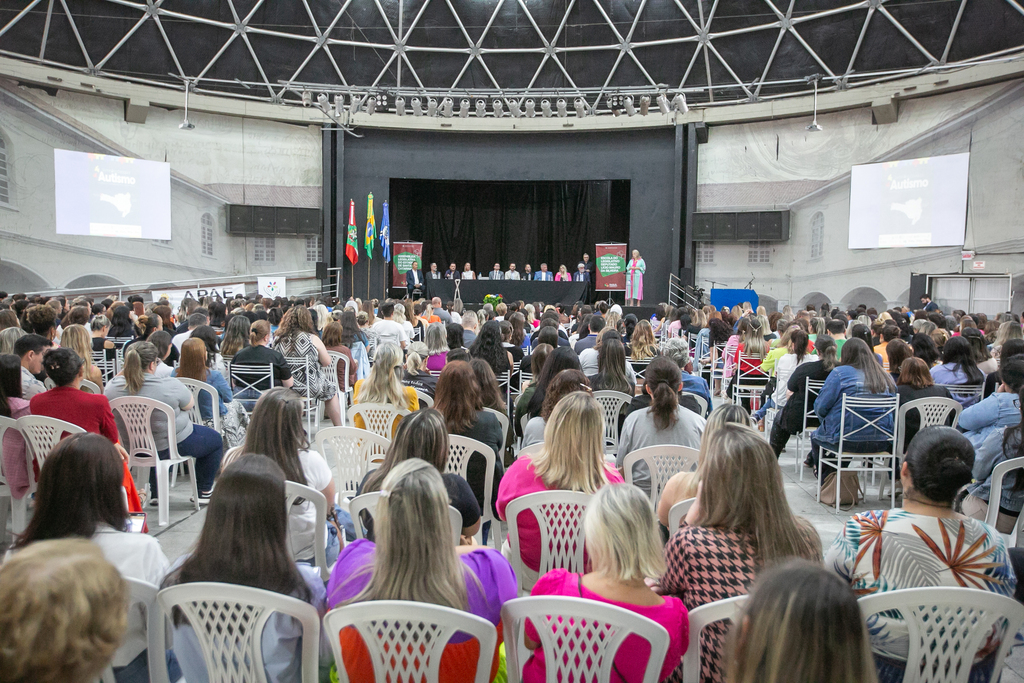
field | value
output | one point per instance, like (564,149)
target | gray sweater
(639,431)
(166,389)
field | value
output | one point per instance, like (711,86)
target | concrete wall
(222,160)
(779,164)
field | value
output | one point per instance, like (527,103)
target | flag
(351,252)
(385,233)
(371,227)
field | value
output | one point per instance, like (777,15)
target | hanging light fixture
(531,108)
(417,107)
(814,127)
(400,105)
(516,110)
(431,106)
(630,109)
(186,124)
(496,105)
(545,108)
(663,105)
(581,107)
(679,103)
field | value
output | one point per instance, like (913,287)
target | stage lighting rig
(515,109)
(814,127)
(431,106)
(679,103)
(481,108)
(307,98)
(663,105)
(560,106)
(645,105)
(545,108)
(417,107)
(400,105)
(581,107)
(497,107)
(371,104)
(531,109)
(446,107)
(463,108)
(628,104)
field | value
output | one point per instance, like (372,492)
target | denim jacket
(998,410)
(986,458)
(845,379)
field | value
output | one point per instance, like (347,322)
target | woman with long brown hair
(740,523)
(297,338)
(642,345)
(334,340)
(490,390)
(195,364)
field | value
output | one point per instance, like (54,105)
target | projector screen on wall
(909,203)
(109,196)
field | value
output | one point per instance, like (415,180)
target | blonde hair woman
(384,385)
(425,566)
(683,485)
(572,459)
(625,549)
(801,625)
(642,345)
(79,340)
(64,612)
(740,523)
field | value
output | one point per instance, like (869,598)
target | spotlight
(581,107)
(339,103)
(446,107)
(645,105)
(417,107)
(679,103)
(531,109)
(497,107)
(431,106)
(400,105)
(630,109)
(514,108)
(663,105)
(322,99)
(561,108)
(481,108)
(463,108)
(371,105)
(545,108)
(307,98)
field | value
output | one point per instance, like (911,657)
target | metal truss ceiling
(714,51)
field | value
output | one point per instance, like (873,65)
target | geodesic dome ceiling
(714,51)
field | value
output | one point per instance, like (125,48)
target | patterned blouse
(887,550)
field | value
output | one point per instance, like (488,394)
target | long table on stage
(473,291)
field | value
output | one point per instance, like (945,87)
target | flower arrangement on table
(493,299)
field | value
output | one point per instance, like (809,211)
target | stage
(529,291)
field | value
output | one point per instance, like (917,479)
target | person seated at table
(527,272)
(511,273)
(467,273)
(581,274)
(563,274)
(452,273)
(433,273)
(544,275)
(497,273)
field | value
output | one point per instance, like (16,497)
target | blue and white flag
(385,233)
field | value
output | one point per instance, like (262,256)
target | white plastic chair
(702,402)
(339,380)
(995,491)
(90,387)
(861,408)
(425,401)
(932,411)
(303,368)
(19,506)
(460,448)
(198,388)
(677,513)
(228,620)
(406,640)
(293,491)
(530,450)
(639,368)
(811,390)
(946,627)
(367,503)
(108,367)
(700,618)
(964,392)
(611,403)
(351,453)
(379,418)
(559,516)
(142,596)
(41,434)
(502,420)
(135,425)
(662,462)
(579,638)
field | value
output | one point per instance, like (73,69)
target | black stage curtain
(484,223)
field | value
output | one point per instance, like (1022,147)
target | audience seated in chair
(790,419)
(926,542)
(297,338)
(625,549)
(30,349)
(1002,444)
(491,393)
(424,566)
(739,524)
(487,346)
(384,385)
(959,368)
(1000,409)
(196,364)
(563,384)
(77,339)
(13,406)
(244,541)
(64,613)
(259,353)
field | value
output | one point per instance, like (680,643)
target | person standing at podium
(588,265)
(544,275)
(511,273)
(497,273)
(635,270)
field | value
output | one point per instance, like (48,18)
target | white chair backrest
(700,618)
(367,503)
(137,413)
(42,433)
(702,402)
(964,392)
(246,377)
(530,450)
(378,418)
(294,491)
(502,420)
(142,596)
(523,419)
(352,453)
(559,516)
(90,387)
(811,390)
(108,367)
(932,411)
(425,401)
(334,374)
(198,388)
(611,403)
(579,637)
(228,620)
(996,489)
(677,513)
(406,640)
(947,627)
(460,448)
(639,368)
(662,462)
(747,368)
(864,415)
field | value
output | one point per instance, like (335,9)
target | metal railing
(683,295)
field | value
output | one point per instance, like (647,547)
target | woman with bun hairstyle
(926,542)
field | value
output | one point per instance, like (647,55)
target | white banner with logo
(271,287)
(175,296)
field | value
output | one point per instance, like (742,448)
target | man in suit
(581,274)
(589,266)
(511,273)
(414,281)
(544,274)
(527,272)
(452,273)
(497,273)
(433,273)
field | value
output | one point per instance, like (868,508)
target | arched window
(5,188)
(818,235)
(207,234)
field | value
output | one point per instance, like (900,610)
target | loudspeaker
(309,221)
(741,226)
(264,220)
(321,270)
(725,226)
(239,218)
(746,225)
(918,286)
(703,227)
(686,276)
(287,220)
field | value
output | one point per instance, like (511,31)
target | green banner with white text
(611,267)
